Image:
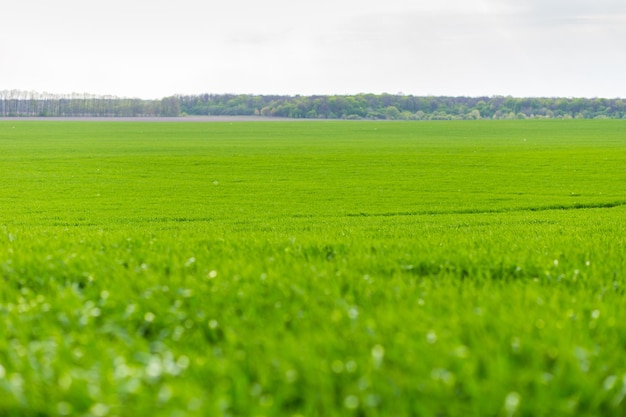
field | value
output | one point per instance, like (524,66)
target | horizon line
(398,94)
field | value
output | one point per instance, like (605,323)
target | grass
(313,268)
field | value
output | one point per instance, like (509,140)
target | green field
(313,268)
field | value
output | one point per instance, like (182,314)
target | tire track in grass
(577,206)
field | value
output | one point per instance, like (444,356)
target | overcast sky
(155,48)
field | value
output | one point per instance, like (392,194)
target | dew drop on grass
(99,410)
(266,401)
(378,353)
(121,371)
(78,353)
(516,345)
(336,315)
(212,274)
(256,390)
(511,403)
(363,384)
(154,368)
(149,317)
(132,386)
(443,375)
(609,382)
(194,404)
(372,400)
(64,408)
(583,358)
(183,362)
(337,366)
(165,394)
(461,352)
(351,402)
(291,376)
(431,337)
(130,309)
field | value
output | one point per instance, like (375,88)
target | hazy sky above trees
(155,48)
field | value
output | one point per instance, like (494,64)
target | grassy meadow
(309,269)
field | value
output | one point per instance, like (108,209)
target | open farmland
(313,268)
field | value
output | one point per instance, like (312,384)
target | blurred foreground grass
(312,269)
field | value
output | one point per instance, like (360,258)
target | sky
(157,48)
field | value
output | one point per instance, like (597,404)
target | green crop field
(313,268)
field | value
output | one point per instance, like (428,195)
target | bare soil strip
(204,119)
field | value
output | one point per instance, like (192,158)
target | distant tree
(474,114)
(407,115)
(170,107)
(420,115)
(392,113)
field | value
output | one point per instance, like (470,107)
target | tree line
(359,106)
(18,103)
(401,107)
